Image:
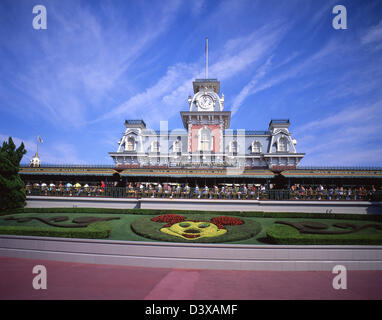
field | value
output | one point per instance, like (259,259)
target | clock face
(206,102)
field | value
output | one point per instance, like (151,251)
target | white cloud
(374,34)
(151,100)
(349,137)
(84,59)
(261,72)
(168,96)
(353,114)
(243,52)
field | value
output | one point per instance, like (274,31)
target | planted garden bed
(194,226)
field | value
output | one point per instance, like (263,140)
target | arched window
(283,144)
(130,146)
(205,139)
(256,147)
(177,146)
(233,146)
(155,146)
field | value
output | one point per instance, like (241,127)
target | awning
(332,174)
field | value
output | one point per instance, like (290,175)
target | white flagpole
(207,58)
(39,140)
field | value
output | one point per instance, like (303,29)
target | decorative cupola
(35,161)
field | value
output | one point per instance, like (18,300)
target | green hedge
(97,230)
(150,229)
(259,214)
(79,210)
(283,234)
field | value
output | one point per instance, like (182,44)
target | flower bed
(195,228)
(169,218)
(224,220)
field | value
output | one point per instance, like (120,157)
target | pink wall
(216,133)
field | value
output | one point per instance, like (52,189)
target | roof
(333,173)
(135,123)
(150,172)
(199,172)
(67,171)
(278,121)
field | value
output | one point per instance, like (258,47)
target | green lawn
(121,229)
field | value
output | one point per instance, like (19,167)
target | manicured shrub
(258,214)
(287,235)
(96,230)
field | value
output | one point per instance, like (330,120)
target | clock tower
(205,121)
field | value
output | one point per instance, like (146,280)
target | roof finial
(206,57)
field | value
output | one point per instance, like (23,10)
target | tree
(12,188)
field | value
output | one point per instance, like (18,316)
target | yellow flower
(191,230)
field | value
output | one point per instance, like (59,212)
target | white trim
(211,140)
(174,146)
(279,144)
(231,147)
(257,142)
(152,148)
(134,143)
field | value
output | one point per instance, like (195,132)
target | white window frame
(130,138)
(177,146)
(279,144)
(155,146)
(258,144)
(231,146)
(210,140)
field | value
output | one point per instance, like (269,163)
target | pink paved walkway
(90,281)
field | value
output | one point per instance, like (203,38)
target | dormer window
(130,145)
(155,146)
(233,147)
(177,146)
(256,147)
(283,144)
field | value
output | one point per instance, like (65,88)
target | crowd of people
(65,189)
(332,192)
(221,191)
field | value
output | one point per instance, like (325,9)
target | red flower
(170,218)
(221,221)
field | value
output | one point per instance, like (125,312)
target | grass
(267,233)
(257,214)
(283,234)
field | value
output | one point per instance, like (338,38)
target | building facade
(207,140)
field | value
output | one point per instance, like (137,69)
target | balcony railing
(119,192)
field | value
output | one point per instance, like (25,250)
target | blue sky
(101,62)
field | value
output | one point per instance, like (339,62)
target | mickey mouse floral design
(189,229)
